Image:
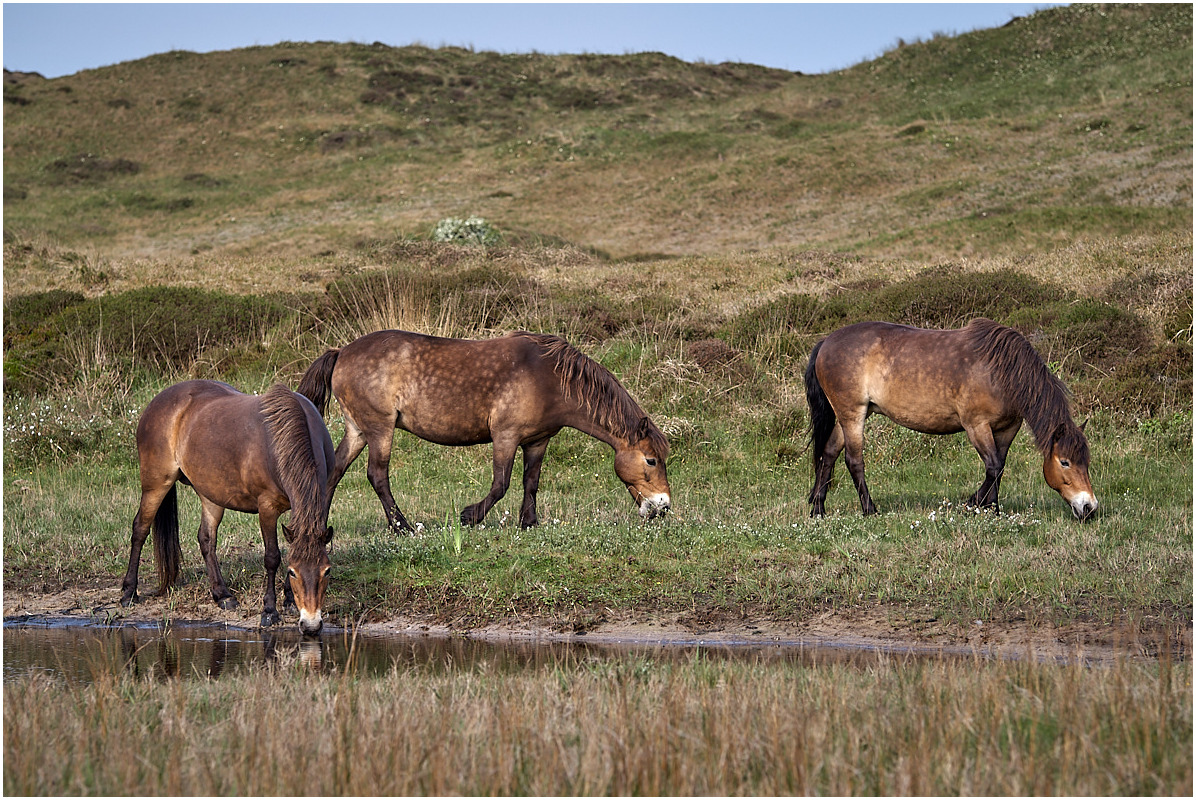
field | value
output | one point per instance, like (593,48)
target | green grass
(739,542)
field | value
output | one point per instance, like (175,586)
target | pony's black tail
(316,383)
(167,552)
(822,416)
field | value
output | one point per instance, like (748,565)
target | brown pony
(260,455)
(983,379)
(516,391)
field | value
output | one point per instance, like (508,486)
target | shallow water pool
(77,650)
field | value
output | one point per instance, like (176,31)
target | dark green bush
(1146,384)
(783,327)
(940,297)
(1095,331)
(25,314)
(159,329)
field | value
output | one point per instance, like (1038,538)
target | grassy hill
(1075,122)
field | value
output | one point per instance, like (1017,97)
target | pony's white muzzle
(655,506)
(310,623)
(1083,505)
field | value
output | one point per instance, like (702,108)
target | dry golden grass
(622,728)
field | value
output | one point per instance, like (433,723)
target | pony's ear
(644,429)
(1058,433)
(288,533)
(1083,425)
(328,536)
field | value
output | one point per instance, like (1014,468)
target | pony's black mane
(1040,397)
(297,468)
(592,385)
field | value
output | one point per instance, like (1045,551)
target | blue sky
(61,39)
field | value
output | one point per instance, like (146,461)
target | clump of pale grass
(401,303)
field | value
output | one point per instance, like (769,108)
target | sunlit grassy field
(724,386)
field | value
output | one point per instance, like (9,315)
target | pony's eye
(291,573)
(651,462)
(1063,462)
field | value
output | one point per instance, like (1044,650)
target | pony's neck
(584,420)
(1044,406)
(1017,368)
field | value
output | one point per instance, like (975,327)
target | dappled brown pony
(516,391)
(260,455)
(983,379)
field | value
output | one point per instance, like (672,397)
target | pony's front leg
(504,462)
(993,447)
(209,521)
(533,459)
(269,524)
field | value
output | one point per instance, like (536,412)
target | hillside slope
(1073,122)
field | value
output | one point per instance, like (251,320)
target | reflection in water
(80,652)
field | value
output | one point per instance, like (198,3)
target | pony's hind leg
(853,453)
(346,453)
(378,471)
(209,521)
(153,508)
(824,471)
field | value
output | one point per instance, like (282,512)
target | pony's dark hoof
(270,619)
(402,527)
(129,599)
(290,609)
(228,603)
(989,505)
(470,517)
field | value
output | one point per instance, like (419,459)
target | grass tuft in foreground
(635,726)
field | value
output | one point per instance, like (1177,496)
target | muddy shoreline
(875,627)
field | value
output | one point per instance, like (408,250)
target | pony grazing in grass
(260,455)
(516,391)
(984,379)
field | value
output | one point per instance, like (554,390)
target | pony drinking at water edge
(260,455)
(983,379)
(516,391)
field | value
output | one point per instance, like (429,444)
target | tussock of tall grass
(623,728)
(393,302)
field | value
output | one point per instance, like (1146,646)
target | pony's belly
(932,421)
(452,433)
(239,501)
